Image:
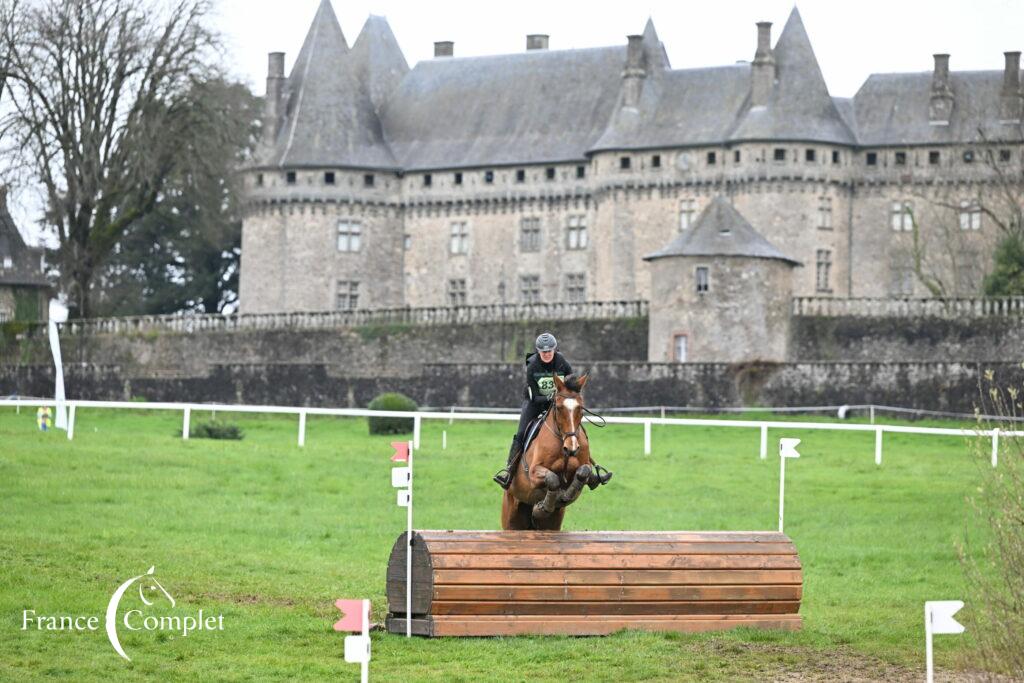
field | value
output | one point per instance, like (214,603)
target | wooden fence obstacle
(496,583)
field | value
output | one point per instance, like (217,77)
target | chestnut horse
(552,472)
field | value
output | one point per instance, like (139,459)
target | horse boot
(506,474)
(599,476)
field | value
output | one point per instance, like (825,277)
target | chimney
(537,41)
(272,104)
(635,72)
(444,48)
(762,69)
(941,105)
(1010,99)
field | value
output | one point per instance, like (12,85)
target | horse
(552,472)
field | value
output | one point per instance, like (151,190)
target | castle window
(679,348)
(458,177)
(581,171)
(488,177)
(350,235)
(549,172)
(901,279)
(289,177)
(969,156)
(656,161)
(407,242)
(576,237)
(970,215)
(712,158)
(779,154)
(872,158)
(328,177)
(576,287)
(428,180)
(347,296)
(810,155)
(933,157)
(824,270)
(459,243)
(835,156)
(529,289)
(687,210)
(824,213)
(520,176)
(1004,155)
(368,180)
(259,180)
(457,292)
(736,159)
(624,163)
(901,216)
(901,158)
(529,235)
(703,279)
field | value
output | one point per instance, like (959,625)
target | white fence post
(302,428)
(878,446)
(416,423)
(647,437)
(995,446)
(185,422)
(444,439)
(871,408)
(764,441)
(71,421)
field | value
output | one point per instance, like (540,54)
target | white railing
(647,422)
(976,307)
(441,315)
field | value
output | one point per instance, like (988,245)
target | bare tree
(100,111)
(943,248)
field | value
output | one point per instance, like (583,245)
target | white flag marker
(357,648)
(787,449)
(404,498)
(938,619)
(400,477)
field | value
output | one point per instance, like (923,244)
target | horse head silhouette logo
(148,587)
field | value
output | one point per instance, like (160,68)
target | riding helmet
(546,342)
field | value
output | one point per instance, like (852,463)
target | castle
(568,175)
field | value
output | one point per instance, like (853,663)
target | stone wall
(936,386)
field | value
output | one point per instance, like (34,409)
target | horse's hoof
(583,473)
(551,481)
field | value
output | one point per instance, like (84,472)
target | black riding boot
(505,474)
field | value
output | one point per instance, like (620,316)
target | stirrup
(503,478)
(599,476)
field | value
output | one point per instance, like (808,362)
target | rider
(540,387)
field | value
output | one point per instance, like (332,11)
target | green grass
(270,534)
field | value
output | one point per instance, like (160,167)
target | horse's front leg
(550,481)
(572,492)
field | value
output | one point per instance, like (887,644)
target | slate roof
(892,109)
(721,230)
(364,108)
(26,270)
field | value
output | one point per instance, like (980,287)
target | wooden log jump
(498,583)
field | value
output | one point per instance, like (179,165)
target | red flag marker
(401,451)
(352,615)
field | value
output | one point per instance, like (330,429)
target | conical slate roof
(721,230)
(377,60)
(330,120)
(799,107)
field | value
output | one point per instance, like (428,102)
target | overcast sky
(851,39)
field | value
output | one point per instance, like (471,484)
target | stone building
(24,290)
(549,175)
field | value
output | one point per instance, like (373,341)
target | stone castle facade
(550,175)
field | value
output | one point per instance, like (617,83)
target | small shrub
(215,430)
(392,425)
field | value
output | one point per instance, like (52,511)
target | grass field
(268,535)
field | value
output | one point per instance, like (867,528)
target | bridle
(562,436)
